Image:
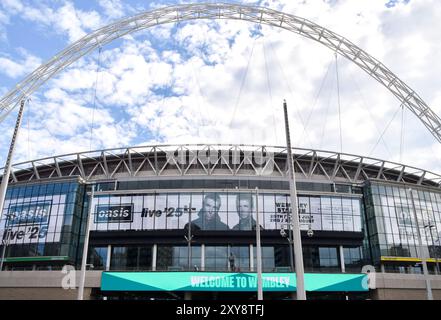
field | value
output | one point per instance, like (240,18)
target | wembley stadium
(213,221)
(359,209)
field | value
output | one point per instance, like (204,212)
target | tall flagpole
(297,245)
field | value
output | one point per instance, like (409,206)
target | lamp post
(431,226)
(189,237)
(86,247)
(5,243)
(421,254)
(298,254)
(290,243)
(258,251)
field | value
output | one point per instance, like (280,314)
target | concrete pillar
(342,260)
(109,253)
(251,258)
(203,257)
(154,254)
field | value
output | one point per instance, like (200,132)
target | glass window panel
(271,216)
(348,222)
(327,221)
(126,206)
(221,264)
(337,206)
(137,212)
(394,225)
(173,211)
(98,257)
(148,212)
(209,264)
(303,204)
(196,201)
(357,223)
(387,225)
(356,207)
(347,206)
(315,205)
(326,205)
(337,222)
(283,211)
(222,221)
(196,251)
(164,257)
(390,201)
(160,214)
(386,211)
(186,208)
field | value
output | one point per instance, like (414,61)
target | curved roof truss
(408,97)
(168,161)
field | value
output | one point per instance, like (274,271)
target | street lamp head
(283,232)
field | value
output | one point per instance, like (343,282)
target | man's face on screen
(210,208)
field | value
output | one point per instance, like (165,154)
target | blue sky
(189,83)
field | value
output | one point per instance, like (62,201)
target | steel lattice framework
(408,97)
(147,162)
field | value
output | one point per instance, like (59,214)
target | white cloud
(13,5)
(112,8)
(65,19)
(76,23)
(4,20)
(19,68)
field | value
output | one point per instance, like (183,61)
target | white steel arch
(408,97)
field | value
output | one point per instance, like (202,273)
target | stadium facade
(152,206)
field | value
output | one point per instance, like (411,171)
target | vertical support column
(202,257)
(297,239)
(154,256)
(86,247)
(251,258)
(258,251)
(109,253)
(421,253)
(188,238)
(5,244)
(383,270)
(342,259)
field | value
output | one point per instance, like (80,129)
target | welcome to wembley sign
(218,281)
